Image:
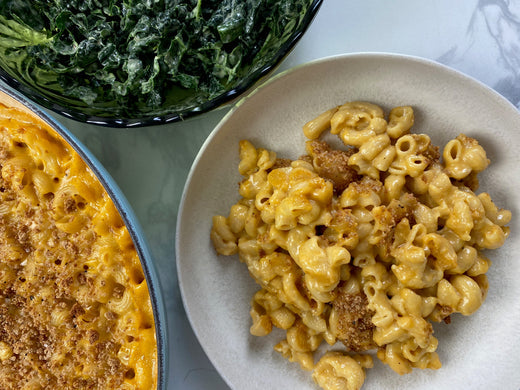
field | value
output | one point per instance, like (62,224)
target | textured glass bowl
(12,98)
(171,111)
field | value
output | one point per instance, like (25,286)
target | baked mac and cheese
(75,311)
(365,245)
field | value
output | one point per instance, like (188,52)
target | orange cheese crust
(75,309)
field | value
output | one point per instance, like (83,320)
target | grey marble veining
(480,38)
(490,49)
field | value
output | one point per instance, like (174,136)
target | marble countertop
(478,37)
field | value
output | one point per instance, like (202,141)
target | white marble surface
(478,37)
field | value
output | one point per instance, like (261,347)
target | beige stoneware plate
(477,352)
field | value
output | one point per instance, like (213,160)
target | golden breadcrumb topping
(75,311)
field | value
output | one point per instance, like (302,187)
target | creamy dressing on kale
(141,54)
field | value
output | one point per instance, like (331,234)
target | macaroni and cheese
(74,303)
(366,245)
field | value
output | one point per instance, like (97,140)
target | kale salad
(122,57)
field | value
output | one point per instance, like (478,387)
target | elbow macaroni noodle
(371,265)
(74,302)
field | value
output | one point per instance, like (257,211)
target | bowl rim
(152,120)
(131,222)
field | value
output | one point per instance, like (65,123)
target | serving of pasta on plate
(361,248)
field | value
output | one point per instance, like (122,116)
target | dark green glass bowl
(178,105)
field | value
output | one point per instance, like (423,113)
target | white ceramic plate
(478,352)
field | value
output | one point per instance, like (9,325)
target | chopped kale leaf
(139,54)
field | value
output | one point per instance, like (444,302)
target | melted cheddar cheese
(75,310)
